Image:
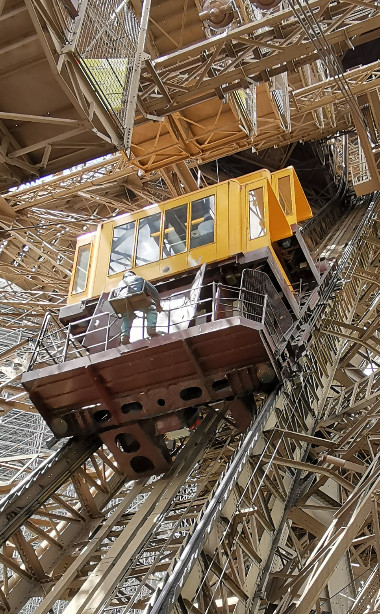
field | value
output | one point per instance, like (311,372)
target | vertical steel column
(135,79)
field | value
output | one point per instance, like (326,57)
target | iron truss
(267,79)
(285,516)
(241,525)
(273,58)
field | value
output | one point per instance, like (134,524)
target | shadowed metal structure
(283,519)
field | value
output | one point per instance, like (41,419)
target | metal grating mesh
(106,49)
(277,318)
(22,439)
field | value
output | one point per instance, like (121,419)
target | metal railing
(52,344)
(57,343)
(277,318)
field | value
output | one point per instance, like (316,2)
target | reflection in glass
(81,270)
(285,194)
(123,242)
(148,240)
(202,221)
(256,213)
(174,241)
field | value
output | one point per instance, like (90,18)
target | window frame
(187,238)
(260,219)
(75,268)
(214,196)
(135,222)
(140,219)
(288,210)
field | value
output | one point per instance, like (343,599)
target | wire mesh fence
(106,48)
(277,318)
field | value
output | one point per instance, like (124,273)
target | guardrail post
(39,340)
(107,332)
(264,309)
(214,295)
(66,343)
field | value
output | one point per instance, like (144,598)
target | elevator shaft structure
(253,522)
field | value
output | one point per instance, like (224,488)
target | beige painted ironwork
(294,532)
(275,514)
(191,99)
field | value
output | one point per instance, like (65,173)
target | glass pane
(256,213)
(81,271)
(148,240)
(202,221)
(174,241)
(285,194)
(123,242)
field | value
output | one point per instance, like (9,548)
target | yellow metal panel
(304,211)
(103,251)
(148,271)
(279,226)
(232,228)
(171,265)
(262,173)
(235,217)
(197,256)
(222,225)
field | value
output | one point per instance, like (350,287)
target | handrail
(250,300)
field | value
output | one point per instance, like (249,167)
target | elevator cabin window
(202,221)
(285,194)
(148,239)
(256,213)
(80,277)
(123,242)
(175,222)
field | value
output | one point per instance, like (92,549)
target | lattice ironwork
(106,47)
